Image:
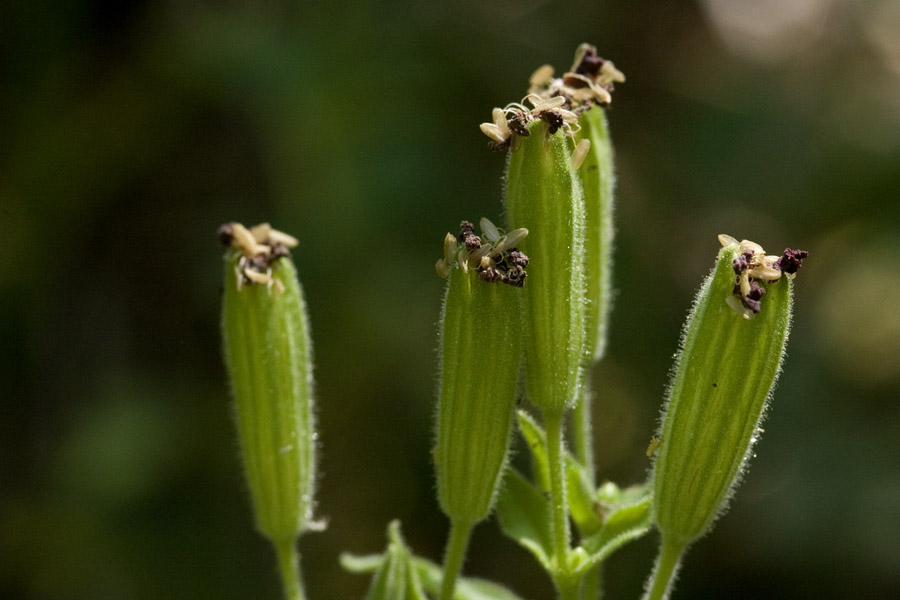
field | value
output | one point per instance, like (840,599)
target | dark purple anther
(742,262)
(278,250)
(756,291)
(516,277)
(751,300)
(553,119)
(752,304)
(467,236)
(489,274)
(576,83)
(590,63)
(225,234)
(259,263)
(791,260)
(472,242)
(519,124)
(517,258)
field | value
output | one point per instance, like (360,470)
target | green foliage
(501,323)
(398,574)
(126,139)
(396,577)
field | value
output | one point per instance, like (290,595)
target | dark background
(130,130)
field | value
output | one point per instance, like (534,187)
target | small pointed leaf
(622,526)
(360,563)
(580,493)
(524,514)
(467,588)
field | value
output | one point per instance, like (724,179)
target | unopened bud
(480,358)
(544,193)
(724,376)
(268,354)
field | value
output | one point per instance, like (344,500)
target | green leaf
(422,577)
(467,588)
(391,579)
(537,444)
(582,505)
(524,515)
(396,577)
(623,525)
(355,563)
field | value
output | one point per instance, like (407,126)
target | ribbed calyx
(724,377)
(560,181)
(543,191)
(598,182)
(268,354)
(480,358)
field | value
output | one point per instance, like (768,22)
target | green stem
(666,567)
(582,436)
(592,585)
(460,532)
(568,588)
(289,565)
(553,422)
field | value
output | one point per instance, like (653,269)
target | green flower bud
(730,356)
(480,358)
(598,181)
(543,191)
(268,354)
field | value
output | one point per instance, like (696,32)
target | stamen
(493,132)
(541,76)
(450,246)
(726,240)
(261,232)
(244,239)
(580,153)
(609,73)
(280,237)
(490,231)
(500,121)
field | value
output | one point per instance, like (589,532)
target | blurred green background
(130,130)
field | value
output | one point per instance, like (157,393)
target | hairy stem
(460,532)
(592,585)
(664,571)
(553,422)
(289,565)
